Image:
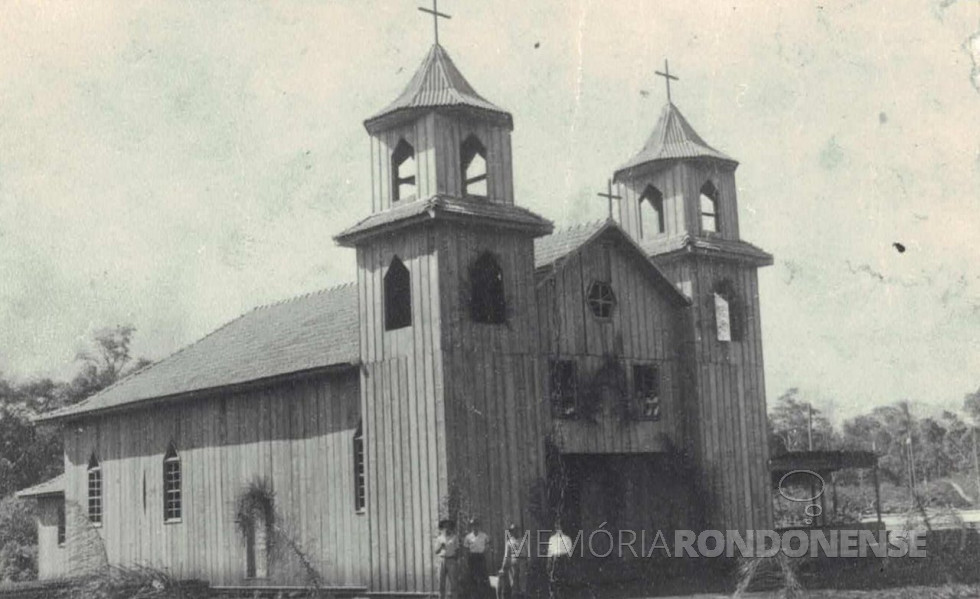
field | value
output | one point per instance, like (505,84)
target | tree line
(911,449)
(31,454)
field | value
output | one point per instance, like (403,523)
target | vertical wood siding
(437,139)
(642,330)
(730,421)
(680,183)
(52,561)
(296,435)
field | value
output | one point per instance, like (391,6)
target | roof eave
(393,117)
(141,403)
(632,169)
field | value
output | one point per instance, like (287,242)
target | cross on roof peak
(667,77)
(609,197)
(436,15)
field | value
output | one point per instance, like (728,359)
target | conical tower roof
(437,84)
(673,138)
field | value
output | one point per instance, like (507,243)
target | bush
(18,540)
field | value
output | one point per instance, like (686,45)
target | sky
(171,165)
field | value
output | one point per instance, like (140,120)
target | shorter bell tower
(679,203)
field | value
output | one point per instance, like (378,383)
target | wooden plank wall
(642,330)
(299,436)
(731,433)
(495,416)
(446,401)
(436,139)
(402,402)
(52,561)
(677,181)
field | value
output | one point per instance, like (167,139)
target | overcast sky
(172,164)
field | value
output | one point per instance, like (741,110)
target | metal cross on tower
(436,15)
(609,197)
(667,77)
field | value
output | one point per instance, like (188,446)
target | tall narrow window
(172,502)
(564,388)
(360,494)
(473,159)
(402,171)
(398,296)
(94,491)
(62,528)
(646,391)
(651,213)
(487,301)
(728,312)
(709,208)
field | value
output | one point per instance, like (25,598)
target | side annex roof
(306,333)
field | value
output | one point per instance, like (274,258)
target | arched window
(94,491)
(473,166)
(172,503)
(651,213)
(728,312)
(709,208)
(487,301)
(360,494)
(398,296)
(402,171)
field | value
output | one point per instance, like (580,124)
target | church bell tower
(680,204)
(450,392)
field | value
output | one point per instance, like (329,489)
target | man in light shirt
(447,548)
(559,554)
(477,544)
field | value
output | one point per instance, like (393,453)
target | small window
(94,491)
(62,532)
(646,391)
(473,165)
(403,171)
(651,213)
(564,388)
(360,493)
(398,296)
(487,301)
(728,315)
(172,501)
(601,299)
(709,208)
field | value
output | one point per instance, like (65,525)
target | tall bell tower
(450,391)
(680,204)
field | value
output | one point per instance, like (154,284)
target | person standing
(447,548)
(559,555)
(477,544)
(513,570)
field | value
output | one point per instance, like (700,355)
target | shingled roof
(444,207)
(437,84)
(55,486)
(306,333)
(672,138)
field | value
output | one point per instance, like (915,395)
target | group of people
(463,565)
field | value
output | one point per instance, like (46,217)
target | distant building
(479,362)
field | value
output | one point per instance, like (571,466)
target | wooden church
(482,364)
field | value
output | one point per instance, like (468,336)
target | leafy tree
(18,534)
(791,419)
